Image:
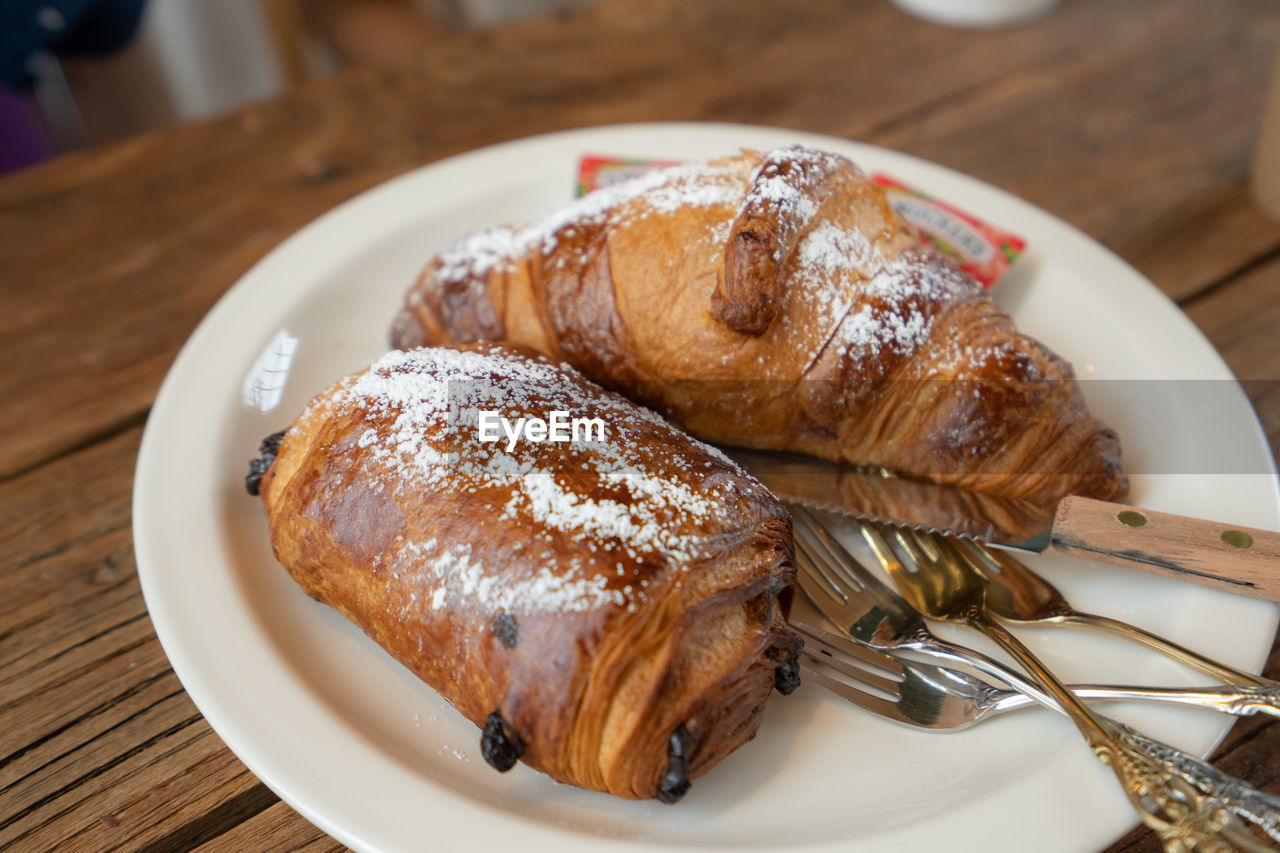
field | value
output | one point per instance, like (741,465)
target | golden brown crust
(776,301)
(596,596)
(786,196)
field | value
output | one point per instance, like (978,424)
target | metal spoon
(1016,593)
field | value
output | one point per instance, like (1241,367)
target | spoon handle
(1214,669)
(1218,788)
(1016,593)
(1188,804)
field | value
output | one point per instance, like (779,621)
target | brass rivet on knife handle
(1131,518)
(1237,538)
(1241,560)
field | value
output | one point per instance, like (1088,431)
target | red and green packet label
(982,250)
(595,172)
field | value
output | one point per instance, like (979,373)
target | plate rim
(147,477)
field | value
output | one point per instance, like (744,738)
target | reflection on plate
(368,753)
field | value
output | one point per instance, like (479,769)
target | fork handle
(1237,559)
(1188,803)
(1214,669)
(1239,700)
(1219,789)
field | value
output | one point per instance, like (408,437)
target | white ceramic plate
(361,748)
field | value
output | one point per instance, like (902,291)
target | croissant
(777,302)
(610,611)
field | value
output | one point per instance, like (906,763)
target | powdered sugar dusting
(597,509)
(664,191)
(786,187)
(453,574)
(830,248)
(479,252)
(873,303)
(773,188)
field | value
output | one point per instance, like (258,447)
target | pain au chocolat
(610,610)
(776,301)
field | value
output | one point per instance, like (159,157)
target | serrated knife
(1237,559)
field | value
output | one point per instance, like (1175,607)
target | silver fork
(873,613)
(1175,794)
(942,698)
(934,696)
(923,695)
(861,605)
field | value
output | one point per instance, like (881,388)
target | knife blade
(1238,559)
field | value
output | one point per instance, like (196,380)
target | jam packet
(595,172)
(982,250)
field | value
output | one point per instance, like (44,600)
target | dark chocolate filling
(499,743)
(675,782)
(258,467)
(506,628)
(786,675)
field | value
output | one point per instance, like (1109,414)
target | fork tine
(845,646)
(864,677)
(932,545)
(937,702)
(980,553)
(872,669)
(849,693)
(844,568)
(829,556)
(813,533)
(809,568)
(911,543)
(874,536)
(912,550)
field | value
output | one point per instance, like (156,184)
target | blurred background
(80,73)
(77,73)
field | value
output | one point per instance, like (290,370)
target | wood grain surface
(1229,557)
(1133,121)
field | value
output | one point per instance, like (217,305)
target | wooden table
(1133,121)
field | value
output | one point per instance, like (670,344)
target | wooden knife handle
(1237,559)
